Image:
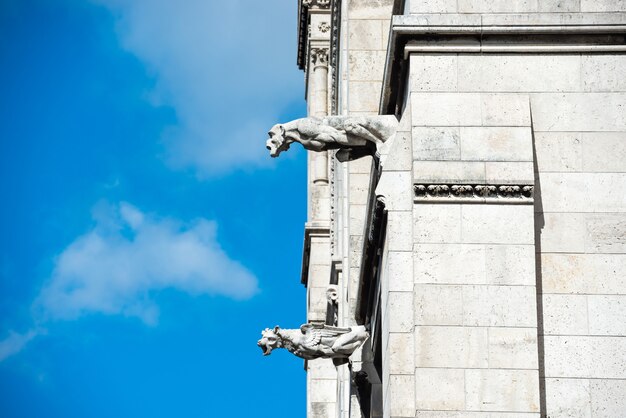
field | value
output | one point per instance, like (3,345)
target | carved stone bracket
(319,56)
(474,192)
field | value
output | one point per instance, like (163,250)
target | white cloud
(14,343)
(117,266)
(227,68)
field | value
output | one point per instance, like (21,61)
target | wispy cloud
(224,66)
(14,343)
(117,266)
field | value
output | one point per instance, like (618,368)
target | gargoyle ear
(276,328)
(282,129)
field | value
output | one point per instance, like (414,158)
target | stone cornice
(474,193)
(494,33)
(304,8)
(311,230)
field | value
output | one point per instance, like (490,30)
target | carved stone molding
(319,56)
(316,4)
(475,192)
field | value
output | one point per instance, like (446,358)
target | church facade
(465,249)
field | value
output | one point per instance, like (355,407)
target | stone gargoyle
(314,341)
(353,136)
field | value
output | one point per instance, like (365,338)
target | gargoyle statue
(313,341)
(353,136)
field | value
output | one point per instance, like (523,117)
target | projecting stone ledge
(314,341)
(353,136)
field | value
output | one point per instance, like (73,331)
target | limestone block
(500,306)
(321,368)
(438,305)
(364,96)
(319,274)
(399,231)
(322,390)
(502,390)
(366,65)
(504,109)
(436,143)
(559,151)
(602,6)
(400,311)
(359,188)
(396,187)
(467,414)
(433,72)
(365,35)
(497,172)
(561,232)
(360,166)
(474,264)
(604,72)
(607,398)
(510,264)
(322,410)
(400,271)
(604,152)
(559,6)
(456,347)
(430,6)
(399,157)
(552,19)
(576,112)
(496,144)
(439,223)
(446,109)
(400,350)
(402,395)
(320,251)
(607,314)
(513,348)
(449,264)
(605,233)
(497,224)
(585,357)
(449,172)
(447,394)
(357,219)
(584,273)
(317,303)
(497,6)
(565,315)
(583,192)
(370,9)
(518,72)
(568,398)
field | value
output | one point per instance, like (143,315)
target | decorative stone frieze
(473,192)
(353,136)
(313,341)
(323,27)
(316,4)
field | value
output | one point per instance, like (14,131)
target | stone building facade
(485,248)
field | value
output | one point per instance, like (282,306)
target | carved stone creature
(353,136)
(313,341)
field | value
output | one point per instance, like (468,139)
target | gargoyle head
(269,340)
(277,142)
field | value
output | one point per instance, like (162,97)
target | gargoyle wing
(313,333)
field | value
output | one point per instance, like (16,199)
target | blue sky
(146,237)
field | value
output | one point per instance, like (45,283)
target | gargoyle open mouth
(266,350)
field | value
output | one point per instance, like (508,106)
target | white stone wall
(473,311)
(580,143)
(513,6)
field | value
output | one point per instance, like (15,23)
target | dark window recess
(369,381)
